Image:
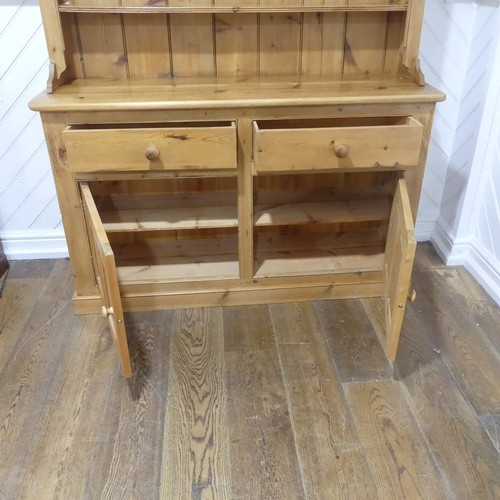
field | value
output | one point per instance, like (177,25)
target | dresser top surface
(223,93)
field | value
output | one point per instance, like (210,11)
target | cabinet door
(107,278)
(398,263)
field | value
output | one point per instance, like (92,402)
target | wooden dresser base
(215,154)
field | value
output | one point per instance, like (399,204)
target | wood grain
(127,454)
(427,258)
(195,432)
(400,461)
(467,459)
(36,268)
(263,457)
(327,445)
(318,213)
(33,374)
(398,263)
(247,328)
(72,428)
(355,348)
(59,420)
(279,44)
(464,350)
(491,424)
(148,47)
(219,94)
(458,287)
(192,45)
(125,148)
(311,147)
(245,200)
(43,298)
(236,39)
(323,43)
(103,50)
(365,41)
(15,299)
(230,6)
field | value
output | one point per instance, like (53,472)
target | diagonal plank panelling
(29,215)
(483,259)
(456,57)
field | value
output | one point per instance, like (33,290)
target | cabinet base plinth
(91,304)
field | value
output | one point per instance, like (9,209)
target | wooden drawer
(336,143)
(193,146)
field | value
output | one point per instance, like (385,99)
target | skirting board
(479,262)
(425,226)
(450,249)
(25,245)
(486,270)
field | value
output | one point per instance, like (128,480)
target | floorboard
(332,459)
(292,401)
(400,460)
(196,427)
(353,343)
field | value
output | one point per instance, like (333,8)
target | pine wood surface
(209,59)
(229,6)
(314,147)
(280,401)
(127,148)
(204,37)
(211,92)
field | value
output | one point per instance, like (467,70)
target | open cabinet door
(398,263)
(107,278)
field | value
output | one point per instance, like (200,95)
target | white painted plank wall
(30,221)
(456,51)
(477,241)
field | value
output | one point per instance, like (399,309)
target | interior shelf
(156,258)
(323,212)
(135,249)
(169,219)
(178,270)
(321,253)
(172,211)
(213,210)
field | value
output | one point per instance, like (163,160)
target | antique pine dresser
(222,152)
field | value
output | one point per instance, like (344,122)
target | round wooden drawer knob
(341,150)
(152,153)
(107,311)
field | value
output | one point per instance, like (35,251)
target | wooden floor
(259,402)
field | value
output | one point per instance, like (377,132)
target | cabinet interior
(177,229)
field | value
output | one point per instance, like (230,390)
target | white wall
(475,242)
(30,222)
(455,54)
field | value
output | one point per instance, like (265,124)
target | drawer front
(326,147)
(169,148)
